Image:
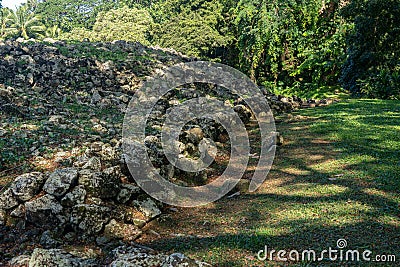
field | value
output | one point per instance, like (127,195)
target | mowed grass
(336,177)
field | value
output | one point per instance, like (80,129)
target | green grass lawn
(336,177)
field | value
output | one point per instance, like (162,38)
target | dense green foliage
(125,23)
(69,14)
(373,64)
(303,47)
(290,43)
(192,27)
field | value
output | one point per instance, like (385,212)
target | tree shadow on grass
(303,204)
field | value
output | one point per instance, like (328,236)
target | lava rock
(57,257)
(89,218)
(149,208)
(119,230)
(28,185)
(43,210)
(8,200)
(60,181)
(75,197)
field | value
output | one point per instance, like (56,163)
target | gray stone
(96,97)
(49,240)
(89,218)
(195,135)
(109,153)
(43,210)
(101,184)
(93,164)
(28,185)
(180,260)
(75,197)
(133,257)
(2,131)
(243,112)
(152,141)
(120,230)
(60,181)
(149,208)
(57,257)
(22,260)
(124,195)
(126,192)
(56,119)
(8,200)
(94,200)
(19,212)
(95,147)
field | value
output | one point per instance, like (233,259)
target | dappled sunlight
(295,171)
(381,193)
(323,213)
(317,157)
(312,190)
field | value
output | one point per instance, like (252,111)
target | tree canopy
(373,48)
(125,23)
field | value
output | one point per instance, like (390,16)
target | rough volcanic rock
(60,181)
(243,112)
(132,257)
(27,185)
(43,210)
(119,230)
(57,257)
(89,218)
(103,184)
(3,215)
(21,260)
(75,197)
(126,192)
(149,208)
(8,200)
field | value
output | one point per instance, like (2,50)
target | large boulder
(133,257)
(60,181)
(57,257)
(28,185)
(89,218)
(75,197)
(43,210)
(120,230)
(103,184)
(8,200)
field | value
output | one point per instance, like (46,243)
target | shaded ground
(336,177)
